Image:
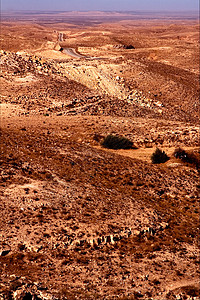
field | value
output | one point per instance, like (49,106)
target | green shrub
(192,291)
(117,142)
(191,158)
(181,154)
(159,156)
(186,156)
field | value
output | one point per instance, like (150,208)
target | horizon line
(124,11)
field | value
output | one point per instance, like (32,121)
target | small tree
(117,142)
(159,156)
(188,157)
(181,154)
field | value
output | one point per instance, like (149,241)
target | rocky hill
(79,221)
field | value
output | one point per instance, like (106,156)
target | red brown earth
(59,186)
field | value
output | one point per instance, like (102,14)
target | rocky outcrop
(113,238)
(57,47)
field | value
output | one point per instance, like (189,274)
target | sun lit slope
(78,220)
(58,187)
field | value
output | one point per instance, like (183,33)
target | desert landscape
(80,220)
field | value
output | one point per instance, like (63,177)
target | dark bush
(129,47)
(187,157)
(159,156)
(180,153)
(156,282)
(117,142)
(192,291)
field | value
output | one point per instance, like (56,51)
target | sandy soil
(80,221)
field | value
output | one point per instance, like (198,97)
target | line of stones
(113,238)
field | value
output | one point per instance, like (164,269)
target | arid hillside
(80,221)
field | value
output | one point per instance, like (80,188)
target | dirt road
(73,53)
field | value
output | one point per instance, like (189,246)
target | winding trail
(70,51)
(144,154)
(73,53)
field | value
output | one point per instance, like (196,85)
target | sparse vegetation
(78,222)
(192,291)
(117,142)
(191,158)
(180,153)
(159,156)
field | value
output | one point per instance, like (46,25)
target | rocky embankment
(48,87)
